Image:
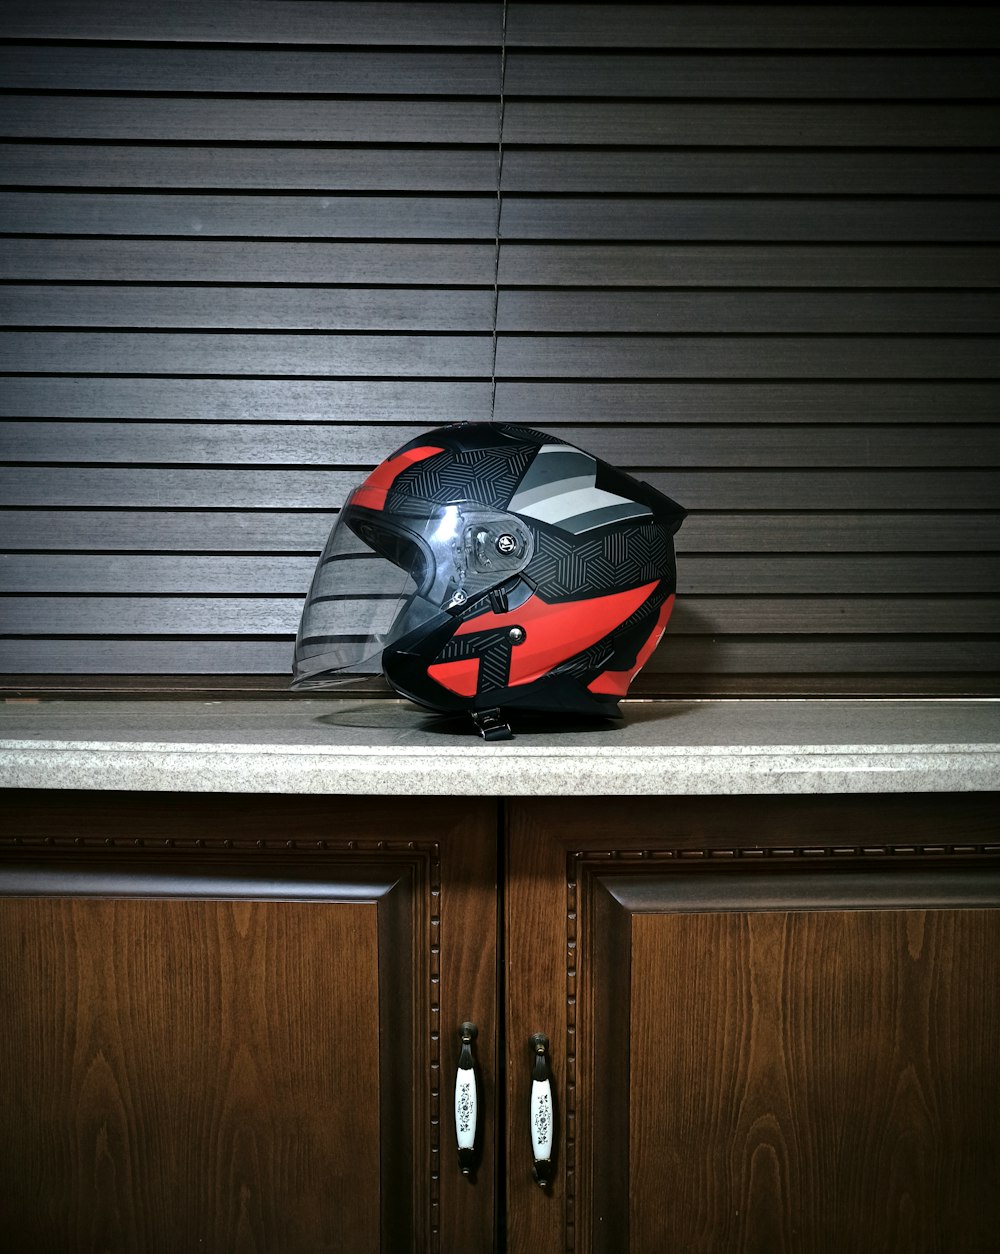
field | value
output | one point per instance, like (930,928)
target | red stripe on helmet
(373,491)
(461,676)
(554,633)
(615,683)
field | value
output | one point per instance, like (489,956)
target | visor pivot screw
(506,543)
(516,635)
(459,598)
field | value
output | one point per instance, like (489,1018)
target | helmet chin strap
(491,726)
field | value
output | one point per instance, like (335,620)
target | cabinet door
(769,1031)
(232,1025)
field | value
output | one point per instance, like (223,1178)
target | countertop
(390,747)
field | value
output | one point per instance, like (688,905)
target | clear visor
(380,578)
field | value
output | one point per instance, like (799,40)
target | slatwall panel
(749,252)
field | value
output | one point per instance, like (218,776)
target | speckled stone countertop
(392,748)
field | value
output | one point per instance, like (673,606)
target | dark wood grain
(167,1089)
(827,1083)
(727,171)
(429,402)
(311,217)
(264,168)
(640,26)
(262,120)
(214,261)
(754,26)
(477,73)
(780,124)
(464,309)
(731,218)
(735,218)
(267,21)
(601,357)
(536,964)
(721,265)
(285,308)
(747,124)
(461,72)
(847,76)
(553,265)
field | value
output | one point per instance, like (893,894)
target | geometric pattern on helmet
(561,489)
(485,477)
(628,555)
(492,647)
(598,655)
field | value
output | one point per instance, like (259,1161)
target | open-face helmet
(492,568)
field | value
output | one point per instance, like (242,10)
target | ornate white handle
(543,1122)
(466,1101)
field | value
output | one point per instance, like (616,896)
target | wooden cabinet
(227,1023)
(231,1023)
(774,1024)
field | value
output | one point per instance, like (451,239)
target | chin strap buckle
(490,725)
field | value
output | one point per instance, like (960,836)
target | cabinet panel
(813,1081)
(186,1075)
(233,1022)
(774,1023)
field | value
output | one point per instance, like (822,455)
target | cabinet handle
(466,1100)
(542,1112)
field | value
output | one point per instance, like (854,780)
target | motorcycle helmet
(493,568)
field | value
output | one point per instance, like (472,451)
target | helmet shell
(539,577)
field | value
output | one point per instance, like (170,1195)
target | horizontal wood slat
(726,171)
(431,402)
(719,265)
(850,574)
(422,120)
(449,309)
(745,171)
(273,615)
(271,531)
(846,76)
(347,121)
(333,71)
(302,217)
(744,125)
(256,21)
(474,217)
(207,261)
(679,656)
(534,265)
(317,355)
(467,72)
(541,25)
(739,218)
(307,308)
(646,447)
(247,488)
(753,26)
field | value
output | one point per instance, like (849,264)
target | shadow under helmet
(487,568)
